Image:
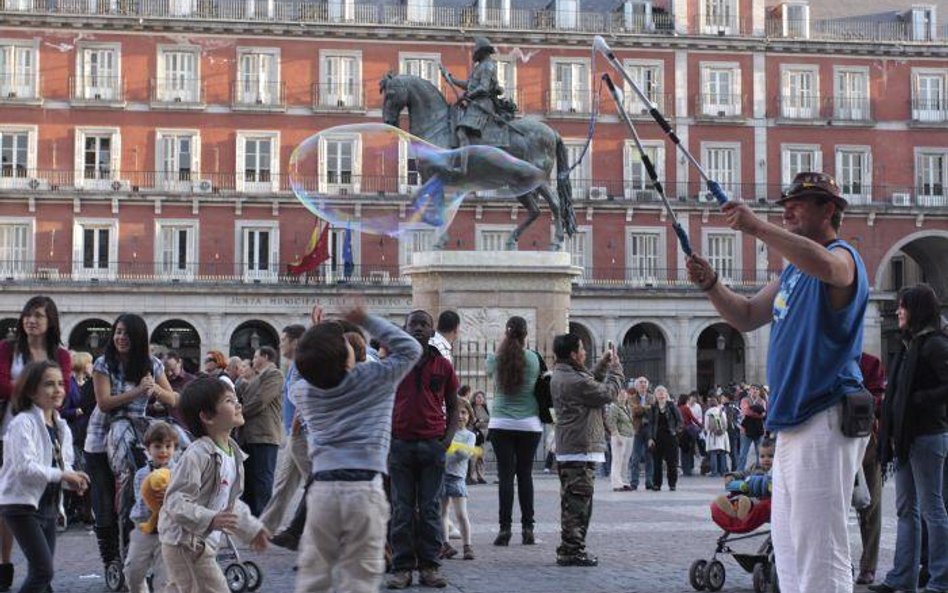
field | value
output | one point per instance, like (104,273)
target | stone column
(486,288)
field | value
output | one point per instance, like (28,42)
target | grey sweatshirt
(350,425)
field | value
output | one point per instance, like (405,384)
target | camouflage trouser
(577,480)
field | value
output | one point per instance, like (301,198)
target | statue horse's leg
(529,202)
(554,203)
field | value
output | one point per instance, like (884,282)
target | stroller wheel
(114,576)
(761,578)
(696,575)
(236,578)
(715,575)
(254,576)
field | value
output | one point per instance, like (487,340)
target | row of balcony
(368,188)
(644,274)
(423,14)
(270,95)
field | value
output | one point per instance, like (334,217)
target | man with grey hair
(639,401)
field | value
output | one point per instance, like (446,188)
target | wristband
(714,281)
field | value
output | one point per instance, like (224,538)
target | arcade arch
(721,352)
(250,335)
(643,352)
(182,337)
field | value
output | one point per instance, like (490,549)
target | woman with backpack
(715,435)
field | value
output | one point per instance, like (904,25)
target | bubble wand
(649,166)
(600,45)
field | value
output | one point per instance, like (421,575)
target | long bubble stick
(600,45)
(649,166)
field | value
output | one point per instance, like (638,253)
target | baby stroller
(709,575)
(241,576)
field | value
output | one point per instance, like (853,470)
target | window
(581,176)
(420,11)
(638,15)
(409,178)
(507,78)
(853,171)
(258,161)
(567,13)
(796,21)
(570,86)
(176,248)
(95,248)
(99,74)
(335,268)
(929,102)
(645,255)
(721,90)
(98,153)
(341,81)
(493,237)
(722,161)
(494,12)
(852,94)
(421,65)
(178,155)
(638,185)
(258,77)
(798,159)
(648,76)
(341,10)
(340,164)
(720,17)
(18,71)
(412,241)
(258,246)
(179,80)
(723,253)
(181,7)
(17,157)
(579,247)
(800,98)
(930,174)
(16,246)
(923,23)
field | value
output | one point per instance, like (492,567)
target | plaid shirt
(99,422)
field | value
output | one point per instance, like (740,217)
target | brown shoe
(468,553)
(866,577)
(430,577)
(448,551)
(400,579)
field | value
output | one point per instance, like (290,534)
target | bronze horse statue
(430,117)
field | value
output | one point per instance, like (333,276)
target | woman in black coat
(915,436)
(664,424)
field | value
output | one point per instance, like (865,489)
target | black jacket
(916,398)
(674,420)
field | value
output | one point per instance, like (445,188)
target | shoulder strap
(543,368)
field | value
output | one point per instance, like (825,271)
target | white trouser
(292,469)
(143,556)
(814,472)
(621,452)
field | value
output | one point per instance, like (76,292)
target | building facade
(146,150)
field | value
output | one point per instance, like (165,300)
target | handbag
(861,497)
(542,393)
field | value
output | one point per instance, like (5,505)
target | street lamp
(721,342)
(644,341)
(175,340)
(255,340)
(94,340)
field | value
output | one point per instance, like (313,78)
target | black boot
(6,577)
(107,538)
(503,537)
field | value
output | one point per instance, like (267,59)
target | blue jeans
(734,437)
(640,453)
(745,449)
(416,469)
(259,468)
(718,462)
(919,485)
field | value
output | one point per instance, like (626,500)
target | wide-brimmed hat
(818,185)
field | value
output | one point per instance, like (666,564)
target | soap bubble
(378,179)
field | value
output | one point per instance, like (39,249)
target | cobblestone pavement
(645,542)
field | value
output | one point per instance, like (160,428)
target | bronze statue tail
(564,188)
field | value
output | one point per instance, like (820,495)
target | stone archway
(643,352)
(919,257)
(250,335)
(721,351)
(182,337)
(586,336)
(90,335)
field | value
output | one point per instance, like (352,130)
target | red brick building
(145,148)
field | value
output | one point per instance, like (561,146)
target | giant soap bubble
(380,179)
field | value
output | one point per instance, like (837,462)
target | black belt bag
(858,414)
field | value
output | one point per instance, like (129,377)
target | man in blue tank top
(815,311)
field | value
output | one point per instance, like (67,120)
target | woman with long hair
(125,377)
(38,338)
(481,422)
(914,436)
(515,427)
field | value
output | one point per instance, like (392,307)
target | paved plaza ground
(645,542)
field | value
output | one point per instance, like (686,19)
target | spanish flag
(316,252)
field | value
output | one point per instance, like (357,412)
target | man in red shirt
(423,424)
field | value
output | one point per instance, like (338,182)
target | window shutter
(321,174)
(31,151)
(78,158)
(196,156)
(274,250)
(241,149)
(627,170)
(402,167)
(357,164)
(275,163)
(115,155)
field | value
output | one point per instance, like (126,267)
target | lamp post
(255,340)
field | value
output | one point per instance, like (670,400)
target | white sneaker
(546,470)
(455,534)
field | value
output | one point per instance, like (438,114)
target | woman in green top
(515,427)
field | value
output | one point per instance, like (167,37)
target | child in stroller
(743,509)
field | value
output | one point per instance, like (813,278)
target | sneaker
(546,470)
(866,577)
(285,540)
(400,579)
(481,481)
(455,534)
(430,577)
(582,559)
(447,551)
(468,553)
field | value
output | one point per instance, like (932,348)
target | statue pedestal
(487,287)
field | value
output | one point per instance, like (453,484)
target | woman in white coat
(715,435)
